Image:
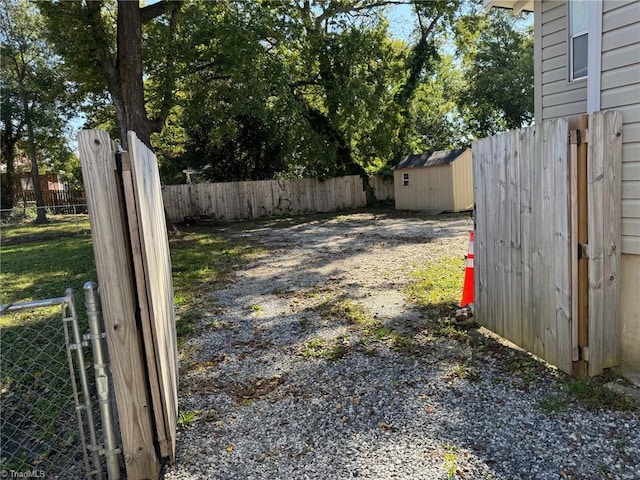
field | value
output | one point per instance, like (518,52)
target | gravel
(434,407)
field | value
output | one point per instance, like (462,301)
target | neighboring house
(587,59)
(435,181)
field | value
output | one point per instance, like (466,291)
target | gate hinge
(575,137)
(583,353)
(583,251)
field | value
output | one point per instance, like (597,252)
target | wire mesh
(39,434)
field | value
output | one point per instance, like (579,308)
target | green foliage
(497,58)
(187,417)
(37,98)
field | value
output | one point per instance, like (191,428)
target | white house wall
(559,96)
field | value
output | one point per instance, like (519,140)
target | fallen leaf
(229,448)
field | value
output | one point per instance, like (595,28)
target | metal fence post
(82,371)
(100,365)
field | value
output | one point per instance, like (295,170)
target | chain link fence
(47,390)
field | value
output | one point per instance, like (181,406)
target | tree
(497,59)
(35,96)
(111,57)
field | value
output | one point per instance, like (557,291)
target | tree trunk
(35,175)
(7,189)
(129,68)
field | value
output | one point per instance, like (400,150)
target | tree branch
(157,9)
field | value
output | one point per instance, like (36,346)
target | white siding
(559,96)
(620,90)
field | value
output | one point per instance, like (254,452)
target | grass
(437,285)
(201,261)
(39,262)
(42,261)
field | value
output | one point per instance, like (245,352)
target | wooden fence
(243,200)
(538,191)
(53,197)
(134,273)
(383,188)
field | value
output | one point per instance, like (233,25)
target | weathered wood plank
(143,303)
(561,245)
(604,183)
(528,151)
(480,154)
(515,243)
(157,269)
(115,276)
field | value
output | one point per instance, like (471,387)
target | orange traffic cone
(467,289)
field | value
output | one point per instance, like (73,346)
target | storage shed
(435,181)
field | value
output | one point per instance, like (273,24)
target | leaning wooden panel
(143,301)
(603,182)
(115,276)
(157,266)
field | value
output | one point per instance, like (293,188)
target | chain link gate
(44,380)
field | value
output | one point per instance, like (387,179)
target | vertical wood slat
(238,200)
(522,239)
(479,153)
(162,351)
(546,292)
(578,126)
(143,302)
(528,154)
(561,260)
(115,276)
(604,172)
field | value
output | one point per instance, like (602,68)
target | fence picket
(244,200)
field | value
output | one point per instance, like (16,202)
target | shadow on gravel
(288,378)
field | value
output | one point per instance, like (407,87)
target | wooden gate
(547,239)
(134,273)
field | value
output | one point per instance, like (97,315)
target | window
(405,179)
(578,38)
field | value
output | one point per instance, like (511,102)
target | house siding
(560,97)
(620,90)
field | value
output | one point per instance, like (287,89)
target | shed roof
(431,159)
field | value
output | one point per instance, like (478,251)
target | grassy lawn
(42,261)
(39,262)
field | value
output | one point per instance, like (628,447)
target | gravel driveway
(285,380)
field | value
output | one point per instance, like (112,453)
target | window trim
(573,35)
(405,179)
